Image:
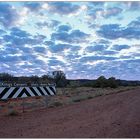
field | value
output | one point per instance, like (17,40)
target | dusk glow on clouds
(83,39)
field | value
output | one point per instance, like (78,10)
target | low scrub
(78,100)
(56,104)
(89,97)
(12,113)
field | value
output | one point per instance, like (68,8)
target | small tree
(112,82)
(59,78)
(6,77)
(34,79)
(45,79)
(101,82)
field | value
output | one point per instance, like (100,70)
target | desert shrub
(112,82)
(4,100)
(101,82)
(12,113)
(55,104)
(79,100)
(87,84)
(38,97)
(60,78)
(97,95)
(89,97)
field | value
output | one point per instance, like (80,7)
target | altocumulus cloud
(94,58)
(85,39)
(104,13)
(115,31)
(120,47)
(62,8)
(33,6)
(40,49)
(20,37)
(8,15)
(132,5)
(75,36)
(95,48)
(50,24)
(64,28)
(61,47)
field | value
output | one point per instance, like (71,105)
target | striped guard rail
(21,92)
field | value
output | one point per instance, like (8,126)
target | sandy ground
(109,116)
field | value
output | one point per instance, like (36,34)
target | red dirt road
(110,116)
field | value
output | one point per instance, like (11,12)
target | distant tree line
(102,82)
(59,78)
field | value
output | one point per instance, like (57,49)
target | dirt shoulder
(111,116)
(65,96)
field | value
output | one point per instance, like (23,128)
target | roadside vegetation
(68,91)
(73,95)
(59,78)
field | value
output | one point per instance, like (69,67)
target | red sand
(110,116)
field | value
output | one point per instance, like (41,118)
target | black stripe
(46,90)
(40,91)
(51,88)
(13,92)
(33,91)
(4,92)
(24,91)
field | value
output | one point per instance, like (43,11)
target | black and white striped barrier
(21,92)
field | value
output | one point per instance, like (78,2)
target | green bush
(101,82)
(112,82)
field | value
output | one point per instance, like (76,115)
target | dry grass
(64,96)
(71,95)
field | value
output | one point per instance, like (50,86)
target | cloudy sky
(83,39)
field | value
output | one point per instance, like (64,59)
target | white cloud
(23,14)
(130,51)
(45,6)
(94,63)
